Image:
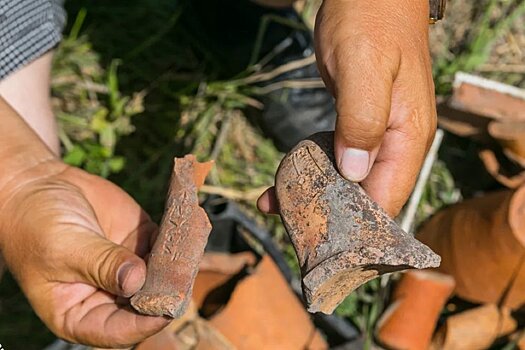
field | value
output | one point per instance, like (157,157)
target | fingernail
(354,164)
(123,274)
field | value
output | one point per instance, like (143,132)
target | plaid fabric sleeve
(28,29)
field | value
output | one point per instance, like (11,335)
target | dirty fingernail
(354,164)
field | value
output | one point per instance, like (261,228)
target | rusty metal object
(342,238)
(482,245)
(178,249)
(417,301)
(476,328)
(264,313)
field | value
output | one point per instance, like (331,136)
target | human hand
(75,244)
(374,58)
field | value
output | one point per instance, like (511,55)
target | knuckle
(105,264)
(97,262)
(60,326)
(363,131)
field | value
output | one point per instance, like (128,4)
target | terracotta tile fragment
(482,245)
(190,332)
(167,338)
(476,328)
(342,238)
(216,269)
(201,335)
(417,301)
(511,136)
(488,98)
(175,256)
(463,124)
(264,313)
(521,341)
(226,263)
(494,168)
(489,112)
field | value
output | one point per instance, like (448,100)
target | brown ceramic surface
(178,249)
(511,135)
(264,313)
(474,329)
(488,102)
(342,238)
(417,301)
(215,272)
(481,242)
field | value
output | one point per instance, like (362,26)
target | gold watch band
(437,10)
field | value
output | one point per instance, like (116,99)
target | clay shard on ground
(178,249)
(511,136)
(499,172)
(190,332)
(476,328)
(482,245)
(418,299)
(218,274)
(488,98)
(490,113)
(342,237)
(263,312)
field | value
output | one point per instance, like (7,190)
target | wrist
(23,155)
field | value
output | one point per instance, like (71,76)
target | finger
(121,326)
(116,219)
(363,92)
(267,202)
(99,262)
(138,241)
(408,139)
(397,166)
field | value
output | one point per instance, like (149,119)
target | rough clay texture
(178,249)
(342,238)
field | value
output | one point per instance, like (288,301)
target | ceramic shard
(417,302)
(342,237)
(482,243)
(178,249)
(476,328)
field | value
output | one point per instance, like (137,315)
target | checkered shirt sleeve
(28,29)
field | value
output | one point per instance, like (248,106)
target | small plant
(91,112)
(492,23)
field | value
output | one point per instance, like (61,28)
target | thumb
(108,266)
(363,92)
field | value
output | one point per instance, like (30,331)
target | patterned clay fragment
(342,238)
(178,249)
